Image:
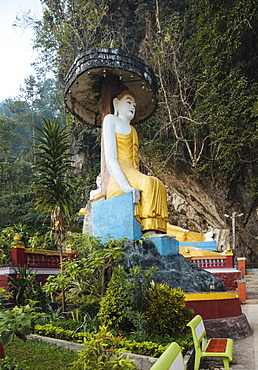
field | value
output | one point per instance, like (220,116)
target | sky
(16,52)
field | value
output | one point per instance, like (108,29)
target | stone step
(251,292)
(252,297)
(252,300)
(252,272)
(251,279)
(252,287)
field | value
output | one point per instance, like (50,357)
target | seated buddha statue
(121,155)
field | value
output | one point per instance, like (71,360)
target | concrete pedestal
(165,244)
(115,217)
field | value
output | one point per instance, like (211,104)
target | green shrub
(25,287)
(18,322)
(7,364)
(67,324)
(102,354)
(124,303)
(166,313)
(145,348)
(113,305)
(52,331)
(90,305)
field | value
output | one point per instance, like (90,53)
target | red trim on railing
(211,262)
(38,259)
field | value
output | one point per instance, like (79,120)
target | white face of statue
(98,182)
(126,107)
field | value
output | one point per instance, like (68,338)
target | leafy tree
(39,97)
(52,186)
(221,51)
(70,27)
(53,171)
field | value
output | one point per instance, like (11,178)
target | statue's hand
(136,195)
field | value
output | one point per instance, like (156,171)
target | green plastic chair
(171,359)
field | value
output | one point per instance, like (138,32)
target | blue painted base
(115,217)
(208,245)
(166,244)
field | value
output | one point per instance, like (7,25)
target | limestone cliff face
(199,204)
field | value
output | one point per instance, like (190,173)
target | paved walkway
(245,353)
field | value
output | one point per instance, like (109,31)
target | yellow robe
(151,211)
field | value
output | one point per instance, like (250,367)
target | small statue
(96,193)
(121,154)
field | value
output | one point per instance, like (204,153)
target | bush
(102,354)
(113,305)
(90,305)
(25,287)
(67,324)
(166,313)
(18,322)
(145,348)
(124,303)
(7,364)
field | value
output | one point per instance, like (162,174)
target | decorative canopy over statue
(94,76)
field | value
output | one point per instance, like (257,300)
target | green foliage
(145,347)
(9,233)
(52,315)
(82,244)
(87,274)
(5,251)
(124,303)
(53,168)
(17,322)
(18,207)
(38,355)
(88,323)
(88,304)
(8,364)
(3,296)
(29,238)
(38,98)
(136,304)
(70,27)
(52,331)
(67,324)
(166,313)
(113,305)
(102,353)
(221,51)
(41,241)
(25,287)
(7,126)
